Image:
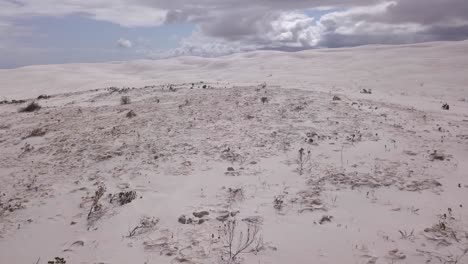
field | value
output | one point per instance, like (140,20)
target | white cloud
(227,26)
(126,13)
(124,43)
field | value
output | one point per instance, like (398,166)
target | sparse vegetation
(57,260)
(123,198)
(37,132)
(96,207)
(236,241)
(235,194)
(146,224)
(407,235)
(43,96)
(124,100)
(130,114)
(278,202)
(366,91)
(31,107)
(436,156)
(303,160)
(325,219)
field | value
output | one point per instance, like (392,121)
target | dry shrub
(124,100)
(31,107)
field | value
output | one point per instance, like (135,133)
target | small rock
(230,169)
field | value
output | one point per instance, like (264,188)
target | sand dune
(154,161)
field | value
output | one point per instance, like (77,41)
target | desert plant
(325,219)
(96,205)
(57,260)
(146,224)
(31,107)
(236,241)
(407,235)
(43,96)
(278,202)
(123,197)
(37,132)
(303,160)
(235,194)
(446,259)
(124,100)
(366,91)
(130,114)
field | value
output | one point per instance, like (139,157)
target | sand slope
(382,178)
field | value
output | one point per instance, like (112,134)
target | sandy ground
(281,149)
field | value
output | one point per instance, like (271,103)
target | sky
(77,31)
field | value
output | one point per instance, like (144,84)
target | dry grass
(37,132)
(236,241)
(124,100)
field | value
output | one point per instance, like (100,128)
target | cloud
(227,26)
(126,13)
(379,22)
(391,23)
(124,43)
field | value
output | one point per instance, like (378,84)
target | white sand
(370,165)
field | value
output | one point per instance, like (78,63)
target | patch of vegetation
(43,96)
(366,91)
(96,207)
(235,194)
(123,198)
(278,202)
(130,114)
(31,107)
(146,224)
(124,100)
(37,132)
(57,260)
(236,242)
(303,160)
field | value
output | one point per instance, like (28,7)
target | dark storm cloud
(262,23)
